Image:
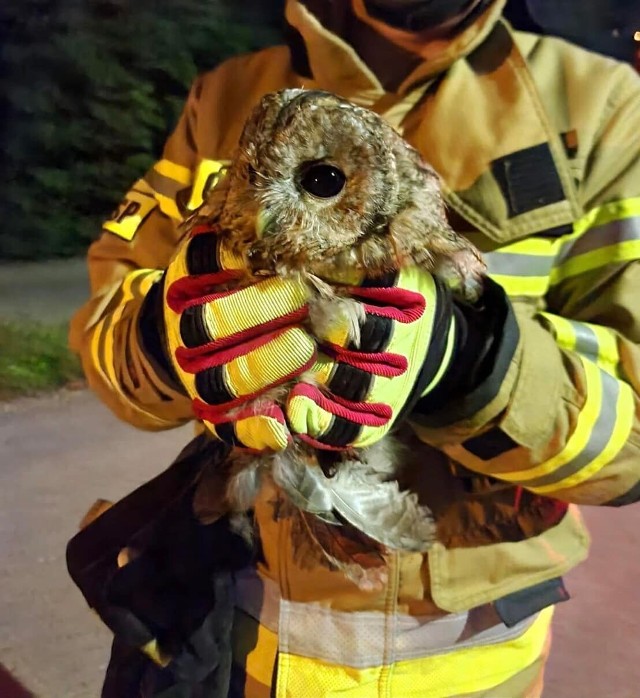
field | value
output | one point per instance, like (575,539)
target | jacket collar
(334,65)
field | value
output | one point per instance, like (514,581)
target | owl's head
(314,178)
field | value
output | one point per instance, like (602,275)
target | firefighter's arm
(124,265)
(167,336)
(559,410)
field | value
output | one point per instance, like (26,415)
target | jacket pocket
(462,578)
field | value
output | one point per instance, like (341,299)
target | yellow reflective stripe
(608,353)
(625,410)
(455,673)
(536,286)
(155,654)
(606,235)
(103,338)
(608,213)
(180,177)
(595,342)
(578,440)
(562,330)
(620,252)
(260,660)
(180,174)
(208,174)
(146,278)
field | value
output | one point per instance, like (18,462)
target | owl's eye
(322,180)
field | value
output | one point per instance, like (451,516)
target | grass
(35,358)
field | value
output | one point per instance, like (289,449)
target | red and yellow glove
(353,395)
(230,344)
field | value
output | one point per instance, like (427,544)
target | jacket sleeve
(125,264)
(560,412)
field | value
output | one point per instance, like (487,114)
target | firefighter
(530,410)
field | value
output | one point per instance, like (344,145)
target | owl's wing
(361,496)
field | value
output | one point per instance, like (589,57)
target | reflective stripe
(512,264)
(163,185)
(608,213)
(468,671)
(606,235)
(208,174)
(533,286)
(134,285)
(624,410)
(603,425)
(166,168)
(591,341)
(359,639)
(166,179)
(613,254)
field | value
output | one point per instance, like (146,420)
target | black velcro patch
(522,604)
(491,444)
(528,179)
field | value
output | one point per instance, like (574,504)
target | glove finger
(258,429)
(330,422)
(225,313)
(229,378)
(383,307)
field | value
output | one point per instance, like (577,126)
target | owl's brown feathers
(276,201)
(321,187)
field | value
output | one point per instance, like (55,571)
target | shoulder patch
(130,214)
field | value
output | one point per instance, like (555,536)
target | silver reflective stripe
(598,439)
(601,236)
(586,340)
(513,264)
(359,639)
(162,184)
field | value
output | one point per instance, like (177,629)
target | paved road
(59,453)
(48,292)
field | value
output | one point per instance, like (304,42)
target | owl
(322,189)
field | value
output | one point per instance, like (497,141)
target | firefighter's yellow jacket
(538,145)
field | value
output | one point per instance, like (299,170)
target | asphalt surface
(60,453)
(46,292)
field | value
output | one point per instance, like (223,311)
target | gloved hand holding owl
(311,305)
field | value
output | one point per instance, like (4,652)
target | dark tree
(90,90)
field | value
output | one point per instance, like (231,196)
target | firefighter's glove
(356,392)
(230,343)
